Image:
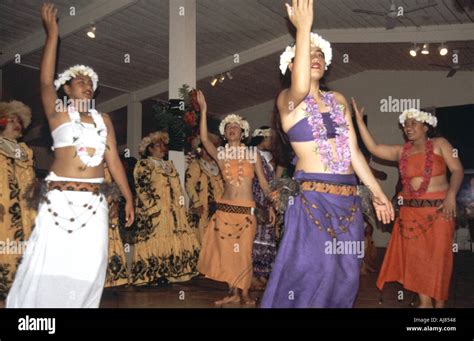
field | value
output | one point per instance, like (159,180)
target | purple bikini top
(302,131)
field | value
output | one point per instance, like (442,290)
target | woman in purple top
(319,258)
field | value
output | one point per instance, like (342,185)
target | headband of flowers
(262,132)
(153,138)
(420,116)
(75,71)
(233,118)
(316,41)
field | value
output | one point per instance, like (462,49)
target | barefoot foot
(228,299)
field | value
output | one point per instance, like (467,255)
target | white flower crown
(233,118)
(73,72)
(316,40)
(262,132)
(417,115)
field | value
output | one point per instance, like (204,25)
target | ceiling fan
(452,68)
(394,12)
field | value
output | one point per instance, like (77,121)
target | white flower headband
(233,118)
(316,40)
(73,72)
(420,116)
(262,132)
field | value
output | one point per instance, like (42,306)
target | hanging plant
(180,118)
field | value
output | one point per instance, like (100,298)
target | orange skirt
(226,252)
(419,254)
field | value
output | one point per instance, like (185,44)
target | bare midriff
(68,164)
(437,183)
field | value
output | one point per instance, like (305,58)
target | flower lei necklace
(427,171)
(78,137)
(323,147)
(163,164)
(240,177)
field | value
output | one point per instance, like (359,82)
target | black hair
(432,131)
(256,140)
(281,148)
(61,93)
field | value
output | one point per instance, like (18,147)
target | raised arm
(116,170)
(48,60)
(383,207)
(206,142)
(301,16)
(382,151)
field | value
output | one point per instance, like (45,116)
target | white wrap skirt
(65,262)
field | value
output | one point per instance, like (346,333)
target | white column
(134,125)
(182,58)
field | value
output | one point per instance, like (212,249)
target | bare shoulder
(107,120)
(440,142)
(106,117)
(339,98)
(442,146)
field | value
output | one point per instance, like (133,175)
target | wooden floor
(201,292)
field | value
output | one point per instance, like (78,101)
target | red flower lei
(427,171)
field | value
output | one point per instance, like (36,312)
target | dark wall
(457,125)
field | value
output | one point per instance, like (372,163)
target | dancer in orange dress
(226,252)
(419,254)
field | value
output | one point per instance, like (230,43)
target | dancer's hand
(48,15)
(272,216)
(448,207)
(201,101)
(358,114)
(301,14)
(383,208)
(129,213)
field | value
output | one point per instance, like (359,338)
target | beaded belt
(422,202)
(74,186)
(235,209)
(346,190)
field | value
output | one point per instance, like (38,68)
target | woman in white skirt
(66,257)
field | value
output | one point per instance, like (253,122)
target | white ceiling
(224,27)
